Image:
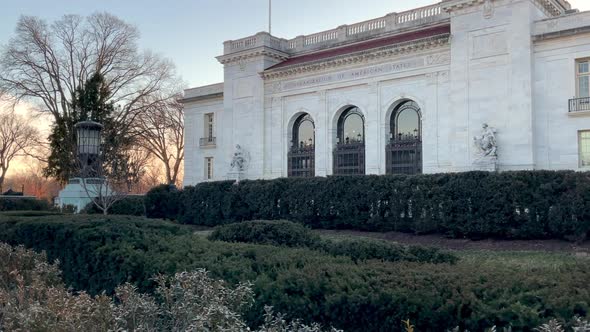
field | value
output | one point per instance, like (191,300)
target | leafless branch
(17,137)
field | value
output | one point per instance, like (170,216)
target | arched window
(301,158)
(349,153)
(406,122)
(404,151)
(303,131)
(351,127)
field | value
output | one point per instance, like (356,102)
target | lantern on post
(88,135)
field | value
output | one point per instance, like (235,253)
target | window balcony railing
(579,105)
(207,142)
(349,158)
(302,161)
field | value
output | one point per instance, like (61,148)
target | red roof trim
(363,46)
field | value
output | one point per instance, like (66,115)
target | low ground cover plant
(99,253)
(289,234)
(507,205)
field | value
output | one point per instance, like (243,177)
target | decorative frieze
(354,74)
(365,57)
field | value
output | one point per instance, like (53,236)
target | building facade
(412,92)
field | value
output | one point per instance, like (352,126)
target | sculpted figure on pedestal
(239,160)
(486,142)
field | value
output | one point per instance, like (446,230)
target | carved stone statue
(486,142)
(239,161)
(488,9)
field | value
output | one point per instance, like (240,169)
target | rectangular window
(209,126)
(583,78)
(209,168)
(584,144)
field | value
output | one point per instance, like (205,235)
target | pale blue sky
(191,32)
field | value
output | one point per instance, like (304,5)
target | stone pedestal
(78,194)
(237,176)
(487,163)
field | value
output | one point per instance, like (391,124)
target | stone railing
(343,34)
(207,142)
(558,25)
(259,39)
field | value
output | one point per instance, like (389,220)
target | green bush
(130,206)
(97,253)
(277,233)
(508,205)
(23,204)
(363,249)
(289,234)
(30,213)
(162,202)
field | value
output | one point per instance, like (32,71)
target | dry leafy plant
(33,298)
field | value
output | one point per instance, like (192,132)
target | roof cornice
(551,7)
(262,51)
(357,57)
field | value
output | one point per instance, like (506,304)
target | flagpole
(269,17)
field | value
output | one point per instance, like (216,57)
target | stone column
(322,148)
(373,139)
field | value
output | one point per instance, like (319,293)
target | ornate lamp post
(88,147)
(82,189)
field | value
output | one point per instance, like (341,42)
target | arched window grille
(301,158)
(404,151)
(349,153)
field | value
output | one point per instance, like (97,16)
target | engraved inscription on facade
(355,74)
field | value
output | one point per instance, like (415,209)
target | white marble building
(403,93)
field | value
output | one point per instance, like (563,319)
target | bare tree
(16,138)
(107,181)
(102,187)
(48,62)
(138,160)
(161,132)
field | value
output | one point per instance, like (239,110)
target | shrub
(363,249)
(98,253)
(30,213)
(523,205)
(162,202)
(277,233)
(130,205)
(23,204)
(33,298)
(289,234)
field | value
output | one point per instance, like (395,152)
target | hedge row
(23,204)
(524,204)
(290,234)
(130,205)
(99,252)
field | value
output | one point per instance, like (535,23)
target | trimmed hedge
(276,233)
(23,204)
(130,206)
(289,234)
(510,205)
(162,202)
(97,253)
